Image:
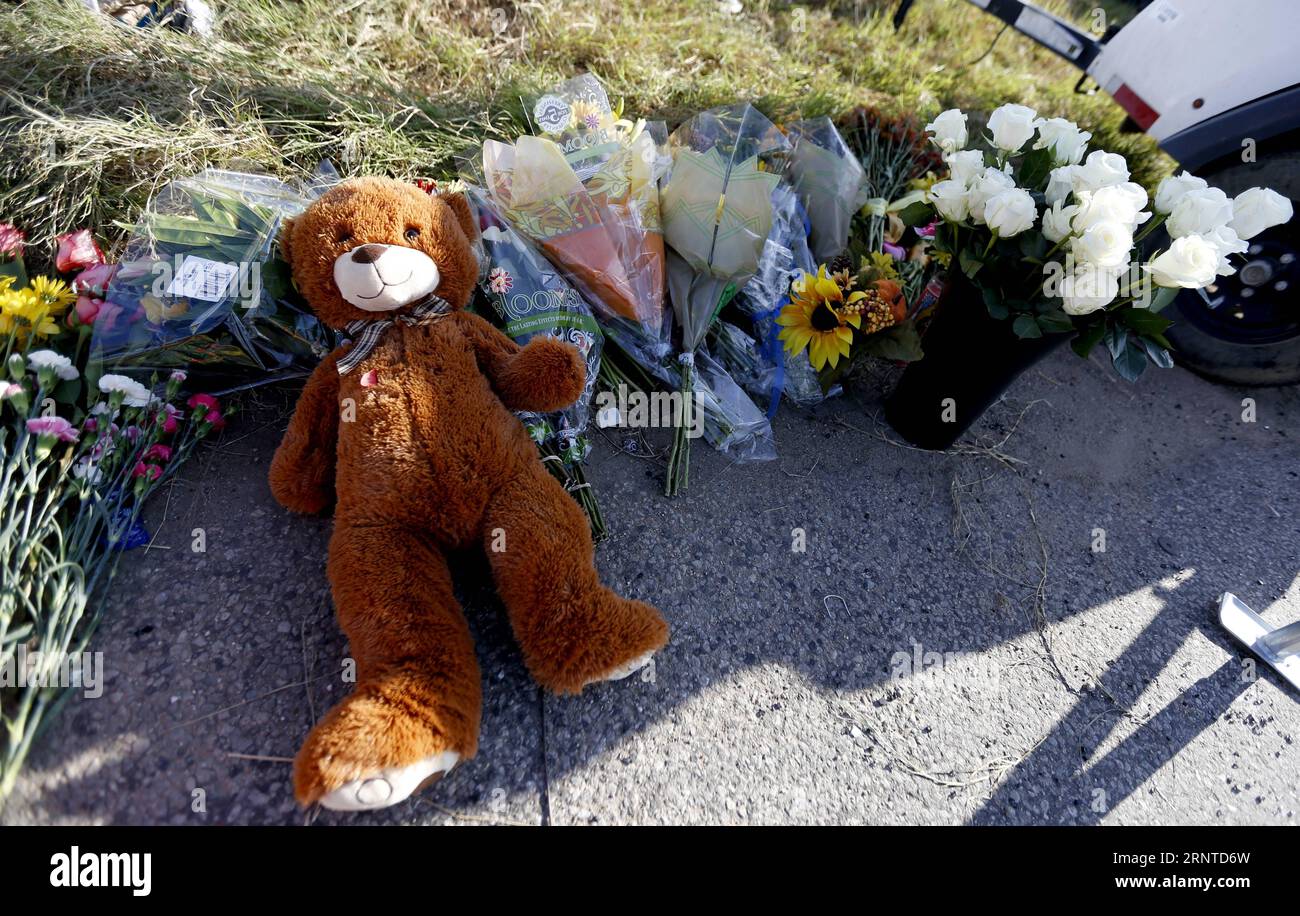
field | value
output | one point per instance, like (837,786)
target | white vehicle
(1217,84)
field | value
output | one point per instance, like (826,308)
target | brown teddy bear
(409,432)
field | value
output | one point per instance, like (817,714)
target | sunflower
(821,318)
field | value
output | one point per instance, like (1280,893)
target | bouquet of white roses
(1048,232)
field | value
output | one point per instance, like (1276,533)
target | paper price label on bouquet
(199,278)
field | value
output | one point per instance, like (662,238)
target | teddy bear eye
(412,233)
(344,237)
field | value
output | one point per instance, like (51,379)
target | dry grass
(94,116)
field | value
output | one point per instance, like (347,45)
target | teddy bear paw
(389,785)
(625,670)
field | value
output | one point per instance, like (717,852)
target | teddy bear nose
(367,254)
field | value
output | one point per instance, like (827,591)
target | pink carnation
(149,471)
(52,426)
(11,241)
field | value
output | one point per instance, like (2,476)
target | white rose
(1011,126)
(1191,262)
(1010,212)
(1199,212)
(983,186)
(948,130)
(1100,170)
(1258,209)
(950,199)
(1056,221)
(1171,190)
(1060,184)
(964,165)
(1064,138)
(1104,244)
(1087,290)
(1226,241)
(1119,203)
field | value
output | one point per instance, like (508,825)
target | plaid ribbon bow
(365,332)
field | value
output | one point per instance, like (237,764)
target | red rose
(77,251)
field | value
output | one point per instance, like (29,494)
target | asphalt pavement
(1021,631)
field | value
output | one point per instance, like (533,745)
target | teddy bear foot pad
(390,785)
(627,669)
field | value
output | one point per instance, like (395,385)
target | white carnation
(56,362)
(133,393)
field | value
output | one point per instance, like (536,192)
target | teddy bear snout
(380,278)
(367,254)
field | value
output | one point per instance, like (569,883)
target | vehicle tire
(1251,335)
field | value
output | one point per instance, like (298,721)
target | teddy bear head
(374,247)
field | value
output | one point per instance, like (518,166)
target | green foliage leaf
(1143,321)
(1033,245)
(1157,354)
(17,269)
(1163,296)
(917,214)
(1088,338)
(1130,362)
(1055,322)
(1034,169)
(993,301)
(969,263)
(1026,327)
(901,343)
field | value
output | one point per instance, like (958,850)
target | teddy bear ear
(286,230)
(464,216)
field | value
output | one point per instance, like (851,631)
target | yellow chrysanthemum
(54,294)
(25,311)
(819,318)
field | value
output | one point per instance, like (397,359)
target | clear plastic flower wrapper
(829,180)
(200,286)
(717,210)
(529,298)
(586,193)
(785,256)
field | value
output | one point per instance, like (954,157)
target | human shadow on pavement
(219,663)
